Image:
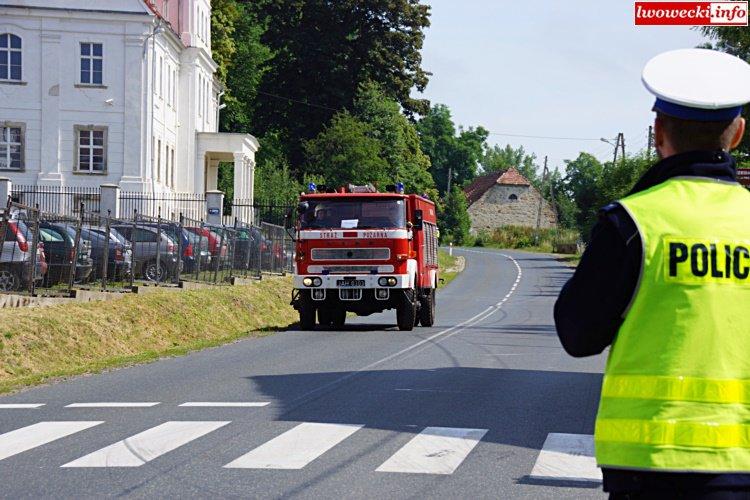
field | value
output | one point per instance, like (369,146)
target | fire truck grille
(351,253)
(373,269)
(350,294)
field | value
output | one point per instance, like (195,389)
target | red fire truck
(359,250)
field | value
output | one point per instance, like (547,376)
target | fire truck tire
(306,317)
(406,311)
(427,308)
(325,317)
(338,318)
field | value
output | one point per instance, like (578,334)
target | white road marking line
(295,448)
(228,404)
(147,445)
(435,450)
(567,457)
(111,405)
(27,438)
(435,338)
(19,406)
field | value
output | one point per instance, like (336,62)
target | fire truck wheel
(406,311)
(306,317)
(325,317)
(427,308)
(338,318)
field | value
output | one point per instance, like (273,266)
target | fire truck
(363,251)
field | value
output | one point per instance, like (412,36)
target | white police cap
(698,84)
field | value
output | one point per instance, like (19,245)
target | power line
(546,137)
(297,101)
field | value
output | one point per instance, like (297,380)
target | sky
(546,68)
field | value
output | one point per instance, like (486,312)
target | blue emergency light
(400,187)
(311,187)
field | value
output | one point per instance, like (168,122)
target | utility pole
(622,143)
(450,178)
(545,174)
(650,140)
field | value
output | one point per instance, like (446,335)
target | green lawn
(449,267)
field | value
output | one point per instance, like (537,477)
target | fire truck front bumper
(362,281)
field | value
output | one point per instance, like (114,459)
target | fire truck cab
(362,251)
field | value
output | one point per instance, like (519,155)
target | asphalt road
(460,410)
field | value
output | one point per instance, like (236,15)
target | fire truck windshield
(351,214)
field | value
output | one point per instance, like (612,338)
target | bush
(519,237)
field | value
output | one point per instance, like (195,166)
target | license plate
(350,282)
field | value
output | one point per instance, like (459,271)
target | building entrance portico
(239,149)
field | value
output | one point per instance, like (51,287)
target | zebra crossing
(433,450)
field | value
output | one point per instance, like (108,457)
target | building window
(92,62)
(11,147)
(513,197)
(10,57)
(92,149)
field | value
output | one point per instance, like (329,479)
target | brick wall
(495,209)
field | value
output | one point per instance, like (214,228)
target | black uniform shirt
(589,310)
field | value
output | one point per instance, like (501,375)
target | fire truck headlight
(307,281)
(387,281)
(317,281)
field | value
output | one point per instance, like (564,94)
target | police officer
(665,281)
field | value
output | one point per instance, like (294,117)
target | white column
(6,187)
(239,166)
(49,169)
(136,132)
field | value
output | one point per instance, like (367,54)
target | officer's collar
(715,164)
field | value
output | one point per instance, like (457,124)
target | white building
(114,91)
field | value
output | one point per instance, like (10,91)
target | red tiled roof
(482,184)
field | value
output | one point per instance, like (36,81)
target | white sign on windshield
(349,223)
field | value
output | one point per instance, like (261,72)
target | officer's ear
(661,140)
(738,134)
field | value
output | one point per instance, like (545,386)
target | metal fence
(57,199)
(166,205)
(43,253)
(259,212)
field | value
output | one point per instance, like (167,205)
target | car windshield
(353,214)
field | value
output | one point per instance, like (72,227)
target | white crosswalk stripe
(112,405)
(295,448)
(147,445)
(435,450)
(20,406)
(227,404)
(32,436)
(567,457)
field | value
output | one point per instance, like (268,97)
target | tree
(323,50)
(497,158)
(457,154)
(582,185)
(453,218)
(735,41)
(242,61)
(345,152)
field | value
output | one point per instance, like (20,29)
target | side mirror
(418,218)
(302,207)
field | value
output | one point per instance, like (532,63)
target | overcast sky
(546,68)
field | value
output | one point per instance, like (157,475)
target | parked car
(216,245)
(250,247)
(16,256)
(59,244)
(146,245)
(118,252)
(196,253)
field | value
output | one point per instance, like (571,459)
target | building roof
(482,184)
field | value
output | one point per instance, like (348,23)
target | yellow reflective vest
(676,390)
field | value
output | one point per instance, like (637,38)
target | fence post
(34,244)
(200,258)
(105,250)
(158,246)
(133,261)
(76,243)
(214,207)
(109,200)
(180,250)
(6,189)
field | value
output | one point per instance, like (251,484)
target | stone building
(506,198)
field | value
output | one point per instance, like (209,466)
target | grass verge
(38,344)
(449,267)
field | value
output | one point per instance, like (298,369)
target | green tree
(345,152)
(736,41)
(449,152)
(582,185)
(242,61)
(497,158)
(453,218)
(323,50)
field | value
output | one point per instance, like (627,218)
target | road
(460,410)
